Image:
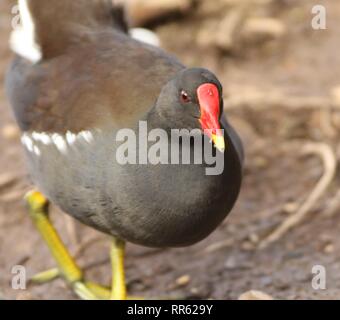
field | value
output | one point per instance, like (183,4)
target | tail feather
(49,27)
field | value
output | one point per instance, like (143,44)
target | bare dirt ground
(280,91)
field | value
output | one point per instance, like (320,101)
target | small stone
(254,238)
(255,295)
(10,132)
(247,246)
(329,248)
(230,263)
(183,281)
(194,291)
(260,162)
(290,207)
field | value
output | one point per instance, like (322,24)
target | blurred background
(281,81)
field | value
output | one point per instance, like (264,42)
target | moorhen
(74,85)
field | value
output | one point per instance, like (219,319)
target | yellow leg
(101,292)
(118,291)
(67,267)
(38,208)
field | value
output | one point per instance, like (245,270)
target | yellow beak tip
(219,142)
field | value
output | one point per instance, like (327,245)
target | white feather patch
(36,150)
(60,142)
(146,36)
(87,135)
(27,142)
(22,39)
(32,141)
(70,137)
(42,137)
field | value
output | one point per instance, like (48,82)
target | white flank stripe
(60,141)
(27,142)
(42,137)
(36,150)
(87,135)
(70,137)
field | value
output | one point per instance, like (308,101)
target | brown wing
(106,80)
(91,74)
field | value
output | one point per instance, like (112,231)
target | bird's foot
(45,276)
(80,288)
(86,290)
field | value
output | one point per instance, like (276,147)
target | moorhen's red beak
(209,100)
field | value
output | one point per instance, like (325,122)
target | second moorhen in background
(82,80)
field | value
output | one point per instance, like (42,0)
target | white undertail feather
(22,39)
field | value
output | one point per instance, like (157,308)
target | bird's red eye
(185,97)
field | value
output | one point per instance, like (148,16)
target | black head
(193,100)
